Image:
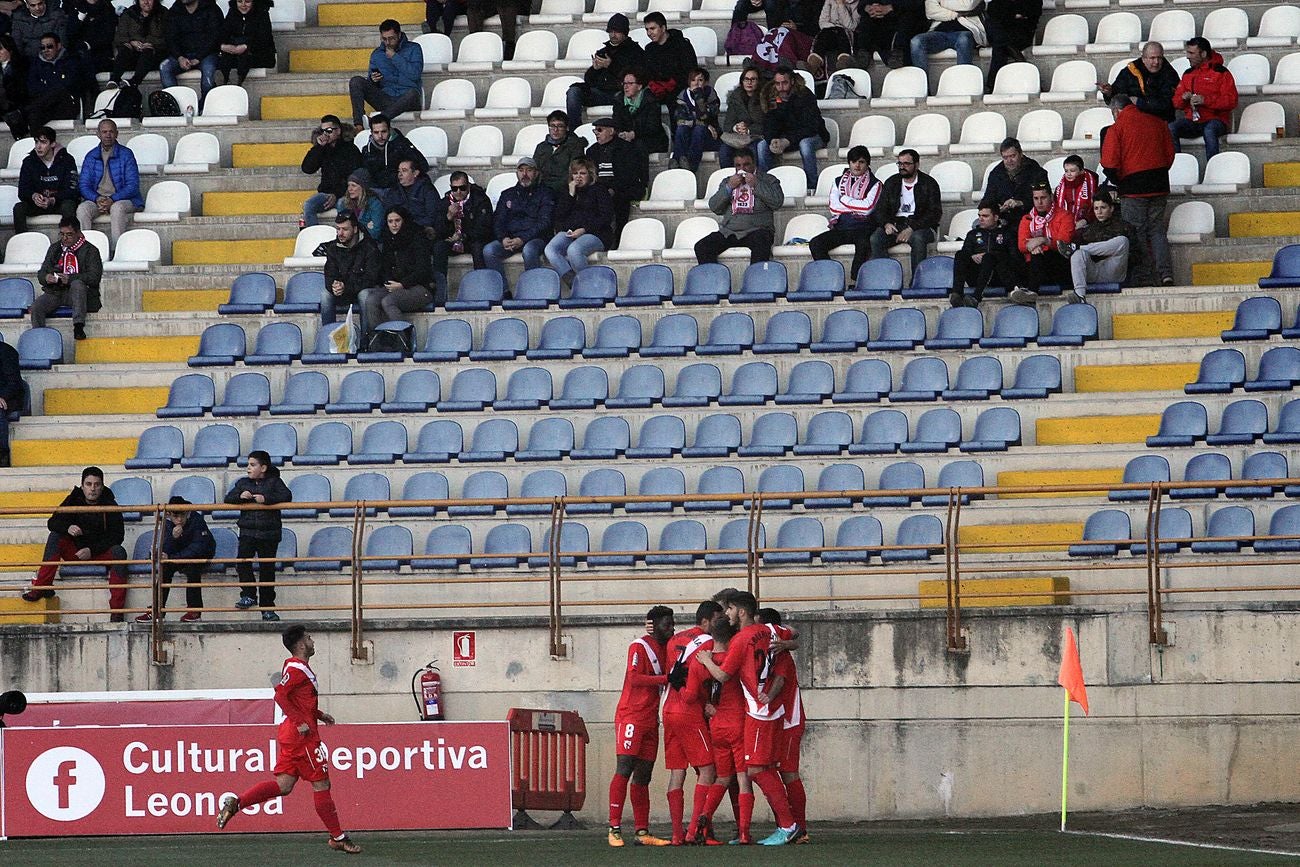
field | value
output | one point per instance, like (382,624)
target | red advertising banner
(224,707)
(171,779)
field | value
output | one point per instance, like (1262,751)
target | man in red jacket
(1206,97)
(1136,155)
(1042,231)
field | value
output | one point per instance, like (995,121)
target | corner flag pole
(1065,758)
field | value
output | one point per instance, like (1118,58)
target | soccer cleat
(229,807)
(741,841)
(645,838)
(345,844)
(803,836)
(615,836)
(781,836)
(245,602)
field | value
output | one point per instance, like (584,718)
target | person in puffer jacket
(185,536)
(988,257)
(259,531)
(1206,97)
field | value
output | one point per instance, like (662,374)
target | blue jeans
(570,254)
(1211,130)
(934,41)
(495,255)
(581,94)
(690,143)
(807,152)
(171,68)
(331,306)
(312,208)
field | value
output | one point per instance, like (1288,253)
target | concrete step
(1264,225)
(103,401)
(1161,326)
(249,204)
(183,300)
(1134,377)
(101,451)
(322,61)
(1000,592)
(1282,174)
(1097,429)
(368,14)
(305,108)
(232,252)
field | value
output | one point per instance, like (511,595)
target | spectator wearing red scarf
(69,276)
(1076,191)
(1042,230)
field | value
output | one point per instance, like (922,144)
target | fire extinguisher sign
(462,649)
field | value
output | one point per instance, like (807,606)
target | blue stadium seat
(1036,377)
(809,382)
(1285,522)
(480,289)
(843,331)
(1142,470)
(762,282)
(1204,467)
(804,535)
(605,438)
(1013,328)
(827,433)
(471,391)
(733,542)
(199,490)
(716,436)
(447,547)
(649,286)
(659,438)
(837,477)
(772,435)
(592,287)
(323,350)
(252,292)
(215,446)
(867,381)
(305,392)
(308,488)
(753,384)
(528,388)
(957,474)
(659,482)
(362,391)
(862,532)
(584,388)
(686,538)
(717,480)
(916,530)
(729,334)
(616,337)
(1260,465)
(159,447)
(924,379)
(1286,269)
(627,542)
(447,340)
(416,390)
(549,439)
(785,332)
(1221,371)
(279,440)
(328,443)
(639,387)
(390,543)
(978,378)
(780,479)
(958,328)
(575,540)
(1256,318)
(697,385)
(674,335)
(883,432)
(1072,325)
(16,297)
(190,396)
(1170,523)
(494,440)
(132,491)
(705,284)
(228,548)
(141,550)
(1243,422)
(899,476)
(996,430)
(932,279)
(332,542)
(1103,533)
(426,485)
(1288,425)
(536,289)
(302,293)
(504,339)
(901,328)
(506,546)
(819,281)
(937,430)
(363,486)
(562,337)
(383,442)
(277,343)
(1279,370)
(604,482)
(541,484)
(1181,424)
(246,394)
(1228,521)
(483,485)
(220,345)
(877,280)
(1292,332)
(388,342)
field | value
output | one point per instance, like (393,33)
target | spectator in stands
(668,59)
(185,536)
(69,277)
(140,42)
(1076,190)
(405,274)
(747,202)
(393,84)
(416,193)
(351,267)
(621,168)
(110,183)
(259,531)
(479,11)
(464,225)
(1148,82)
(833,47)
(192,32)
(1101,249)
(773,10)
(887,28)
(742,126)
(955,24)
(584,221)
(988,257)
(1009,185)
(436,11)
(11,395)
(1011,28)
(783,46)
(1206,96)
(909,210)
(335,158)
(360,202)
(58,84)
(1043,238)
(1136,154)
(85,536)
(555,153)
(385,149)
(853,202)
(695,122)
(247,41)
(32,21)
(637,116)
(13,78)
(792,120)
(47,181)
(92,24)
(602,83)
(522,221)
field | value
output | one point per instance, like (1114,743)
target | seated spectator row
(1224,370)
(1109,531)
(195,152)
(1211,467)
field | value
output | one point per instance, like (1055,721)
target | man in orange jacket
(1136,155)
(1206,97)
(1043,232)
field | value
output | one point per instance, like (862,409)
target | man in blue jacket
(110,183)
(522,222)
(393,83)
(185,536)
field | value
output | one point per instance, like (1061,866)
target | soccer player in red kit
(785,684)
(749,661)
(636,727)
(301,753)
(686,732)
(727,729)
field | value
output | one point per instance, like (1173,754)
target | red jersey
(789,698)
(731,698)
(297,696)
(643,680)
(682,648)
(749,661)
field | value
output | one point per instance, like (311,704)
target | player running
(785,684)
(686,732)
(301,753)
(636,728)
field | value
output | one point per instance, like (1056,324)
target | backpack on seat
(395,336)
(742,38)
(163,104)
(128,102)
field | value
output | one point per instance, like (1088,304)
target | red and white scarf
(1076,197)
(67,263)
(1038,222)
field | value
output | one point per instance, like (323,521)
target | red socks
(770,783)
(698,803)
(676,807)
(794,790)
(640,805)
(328,814)
(714,798)
(746,815)
(263,791)
(617,795)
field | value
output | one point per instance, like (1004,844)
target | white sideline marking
(1169,842)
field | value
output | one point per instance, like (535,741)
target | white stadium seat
(1072,81)
(902,88)
(955,179)
(958,226)
(927,133)
(1278,28)
(479,52)
(1229,25)
(535,50)
(166,202)
(1259,123)
(499,184)
(671,190)
(1191,223)
(526,142)
(793,181)
(641,239)
(960,84)
(479,145)
(1286,75)
(1250,72)
(308,240)
(1040,129)
(507,97)
(137,249)
(151,152)
(186,98)
(18,152)
(688,232)
(1116,32)
(805,226)
(24,253)
(451,98)
(581,45)
(1063,34)
(981,133)
(1016,83)
(431,141)
(1172,28)
(1184,173)
(1225,173)
(224,105)
(1088,125)
(288,14)
(437,50)
(195,153)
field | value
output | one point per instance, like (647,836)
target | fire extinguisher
(426,689)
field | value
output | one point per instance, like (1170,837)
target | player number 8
(629,731)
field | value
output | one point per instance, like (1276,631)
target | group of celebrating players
(732,711)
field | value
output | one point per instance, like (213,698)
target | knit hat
(528,161)
(618,23)
(603,121)
(362,178)
(178,501)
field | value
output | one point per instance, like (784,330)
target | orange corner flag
(1071,676)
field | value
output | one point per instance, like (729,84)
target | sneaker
(345,844)
(112,85)
(803,837)
(35,595)
(1076,297)
(229,807)
(1065,249)
(645,838)
(844,61)
(897,59)
(147,618)
(78,331)
(117,617)
(741,841)
(271,616)
(245,603)
(957,299)
(191,617)
(781,836)
(1166,281)
(1022,296)
(615,836)
(816,65)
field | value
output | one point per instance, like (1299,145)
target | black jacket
(60,175)
(195,543)
(999,239)
(253,30)
(646,122)
(628,55)
(553,159)
(796,119)
(193,34)
(590,208)
(93,35)
(357,266)
(668,64)
(929,207)
(476,221)
(1001,186)
(260,523)
(99,530)
(621,166)
(334,162)
(382,162)
(1155,93)
(11,381)
(404,257)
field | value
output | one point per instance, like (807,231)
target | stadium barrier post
(956,640)
(753,537)
(359,650)
(158,651)
(558,650)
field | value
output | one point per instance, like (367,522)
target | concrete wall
(898,727)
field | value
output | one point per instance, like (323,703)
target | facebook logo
(65,784)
